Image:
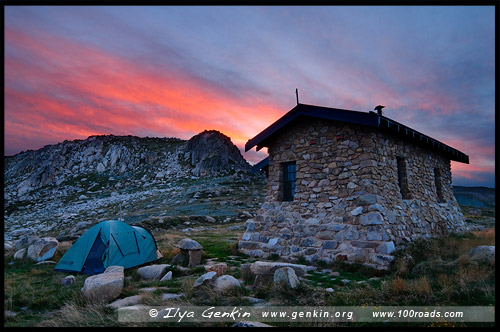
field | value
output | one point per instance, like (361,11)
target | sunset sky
(72,72)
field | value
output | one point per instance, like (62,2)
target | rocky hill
(211,152)
(58,186)
(475,196)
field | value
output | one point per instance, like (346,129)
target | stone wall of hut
(348,202)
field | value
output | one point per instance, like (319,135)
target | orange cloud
(86,91)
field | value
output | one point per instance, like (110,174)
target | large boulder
(42,249)
(483,254)
(106,286)
(153,272)
(286,277)
(225,283)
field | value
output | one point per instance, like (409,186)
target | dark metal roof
(370,119)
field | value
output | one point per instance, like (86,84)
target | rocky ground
(449,271)
(164,183)
(180,190)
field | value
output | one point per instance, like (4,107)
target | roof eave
(361,118)
(370,119)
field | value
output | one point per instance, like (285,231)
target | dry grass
(421,287)
(399,285)
(449,278)
(81,313)
(404,265)
(487,235)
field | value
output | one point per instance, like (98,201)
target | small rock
(42,249)
(483,254)
(204,279)
(20,232)
(20,254)
(475,212)
(167,276)
(234,227)
(148,289)
(357,211)
(105,286)
(261,267)
(194,257)
(330,290)
(8,313)
(386,248)
(250,324)
(45,262)
(192,249)
(226,282)
(114,268)
(255,301)
(247,214)
(25,242)
(153,272)
(372,218)
(125,302)
(219,268)
(181,258)
(68,281)
(286,276)
(170,296)
(182,268)
(7,247)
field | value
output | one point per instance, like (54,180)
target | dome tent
(108,243)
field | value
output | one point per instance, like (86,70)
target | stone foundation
(348,204)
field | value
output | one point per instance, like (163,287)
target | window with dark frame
(439,185)
(289,177)
(402,178)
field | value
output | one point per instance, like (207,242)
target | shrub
(399,285)
(273,257)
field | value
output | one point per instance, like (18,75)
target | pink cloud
(85,91)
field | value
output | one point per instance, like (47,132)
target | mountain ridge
(30,170)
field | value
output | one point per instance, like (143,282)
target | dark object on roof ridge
(378,108)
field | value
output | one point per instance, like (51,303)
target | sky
(171,71)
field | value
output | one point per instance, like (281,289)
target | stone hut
(350,186)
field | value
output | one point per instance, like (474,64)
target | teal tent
(109,243)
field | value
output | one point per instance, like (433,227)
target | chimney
(378,108)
